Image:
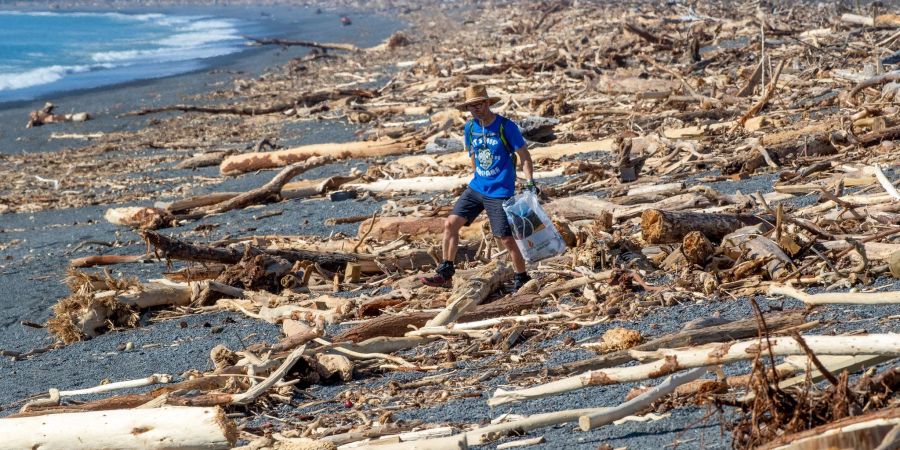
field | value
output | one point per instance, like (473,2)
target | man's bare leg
(515,255)
(450,242)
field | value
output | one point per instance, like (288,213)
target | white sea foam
(35,77)
(190,37)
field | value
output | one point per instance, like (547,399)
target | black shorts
(472,203)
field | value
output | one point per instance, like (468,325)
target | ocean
(46,52)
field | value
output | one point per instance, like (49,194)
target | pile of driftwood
(646,112)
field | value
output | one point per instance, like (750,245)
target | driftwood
(589,422)
(833,298)
(268,192)
(308,99)
(661,227)
(677,360)
(469,293)
(291,43)
(249,162)
(176,249)
(748,244)
(398,325)
(741,329)
(45,115)
(861,432)
(151,428)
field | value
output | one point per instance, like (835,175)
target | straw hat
(475,94)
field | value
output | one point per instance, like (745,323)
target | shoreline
(263,17)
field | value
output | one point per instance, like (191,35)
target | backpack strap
(512,154)
(467,136)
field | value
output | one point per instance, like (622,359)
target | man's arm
(527,163)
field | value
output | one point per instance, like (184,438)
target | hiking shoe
(443,276)
(519,280)
(437,280)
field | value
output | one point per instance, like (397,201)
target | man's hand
(531,187)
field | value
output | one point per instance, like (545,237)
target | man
(491,141)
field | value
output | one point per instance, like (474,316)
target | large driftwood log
(82,315)
(307,99)
(398,325)
(150,428)
(713,354)
(249,162)
(581,207)
(664,227)
(837,298)
(471,291)
(177,249)
(860,432)
(311,44)
(741,329)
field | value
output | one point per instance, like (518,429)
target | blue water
(43,52)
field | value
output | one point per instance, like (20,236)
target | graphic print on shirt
(484,156)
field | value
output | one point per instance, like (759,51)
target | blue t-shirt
(495,174)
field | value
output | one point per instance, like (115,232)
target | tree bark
(664,227)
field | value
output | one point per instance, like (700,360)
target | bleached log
(714,354)
(865,431)
(488,433)
(83,315)
(838,298)
(665,188)
(590,207)
(459,160)
(249,162)
(708,355)
(885,183)
(589,422)
(276,376)
(454,442)
(875,251)
(431,184)
(471,292)
(169,427)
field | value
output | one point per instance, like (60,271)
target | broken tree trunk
(748,244)
(149,428)
(472,291)
(140,217)
(82,314)
(249,162)
(664,227)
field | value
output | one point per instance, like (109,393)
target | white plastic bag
(534,231)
